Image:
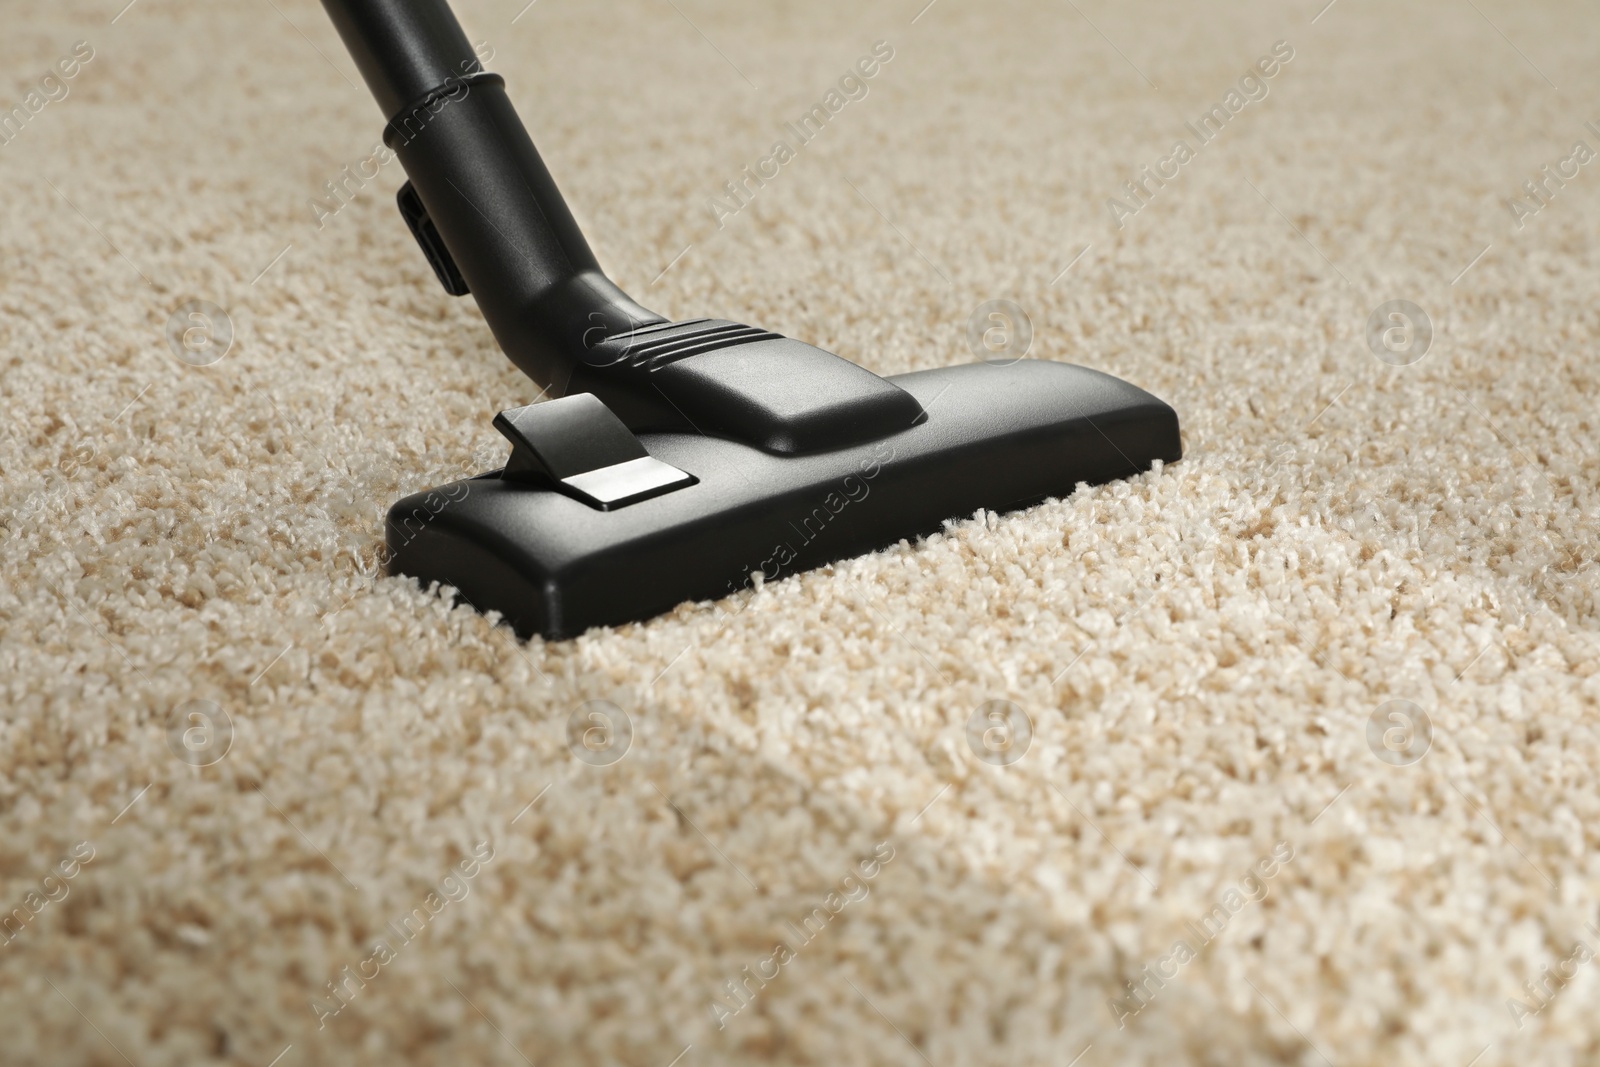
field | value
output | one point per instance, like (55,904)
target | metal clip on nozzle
(577,443)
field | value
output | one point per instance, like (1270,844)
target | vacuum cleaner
(675,460)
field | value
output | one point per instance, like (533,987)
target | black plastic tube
(484,187)
(404,48)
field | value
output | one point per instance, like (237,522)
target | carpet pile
(1281,754)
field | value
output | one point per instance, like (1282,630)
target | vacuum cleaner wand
(682,455)
(480,201)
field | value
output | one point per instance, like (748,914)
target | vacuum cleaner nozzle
(680,458)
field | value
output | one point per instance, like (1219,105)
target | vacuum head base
(552,562)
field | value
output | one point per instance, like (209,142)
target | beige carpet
(1198,651)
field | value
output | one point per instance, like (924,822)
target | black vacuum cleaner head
(680,457)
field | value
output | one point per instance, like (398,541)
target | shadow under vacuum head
(681,456)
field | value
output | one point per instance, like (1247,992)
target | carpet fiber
(1293,760)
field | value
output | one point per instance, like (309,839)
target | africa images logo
(1252,87)
(852,85)
(54,85)
(453,888)
(740,991)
